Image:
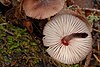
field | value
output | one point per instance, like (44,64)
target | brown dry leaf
(13,63)
(28,25)
(84,3)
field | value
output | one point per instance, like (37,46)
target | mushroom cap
(41,9)
(83,18)
(61,26)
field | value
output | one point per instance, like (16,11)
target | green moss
(92,18)
(15,42)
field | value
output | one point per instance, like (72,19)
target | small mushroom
(41,9)
(68,39)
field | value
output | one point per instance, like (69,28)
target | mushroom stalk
(65,40)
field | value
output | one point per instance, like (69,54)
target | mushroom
(68,39)
(41,9)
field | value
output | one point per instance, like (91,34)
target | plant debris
(21,37)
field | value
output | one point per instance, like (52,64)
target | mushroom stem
(65,40)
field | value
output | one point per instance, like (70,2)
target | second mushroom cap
(41,9)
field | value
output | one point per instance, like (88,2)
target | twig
(96,58)
(96,30)
(96,10)
(98,44)
(88,59)
(3,24)
(8,31)
(98,40)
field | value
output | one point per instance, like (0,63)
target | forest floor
(21,46)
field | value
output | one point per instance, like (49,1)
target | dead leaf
(28,25)
(84,3)
(13,63)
